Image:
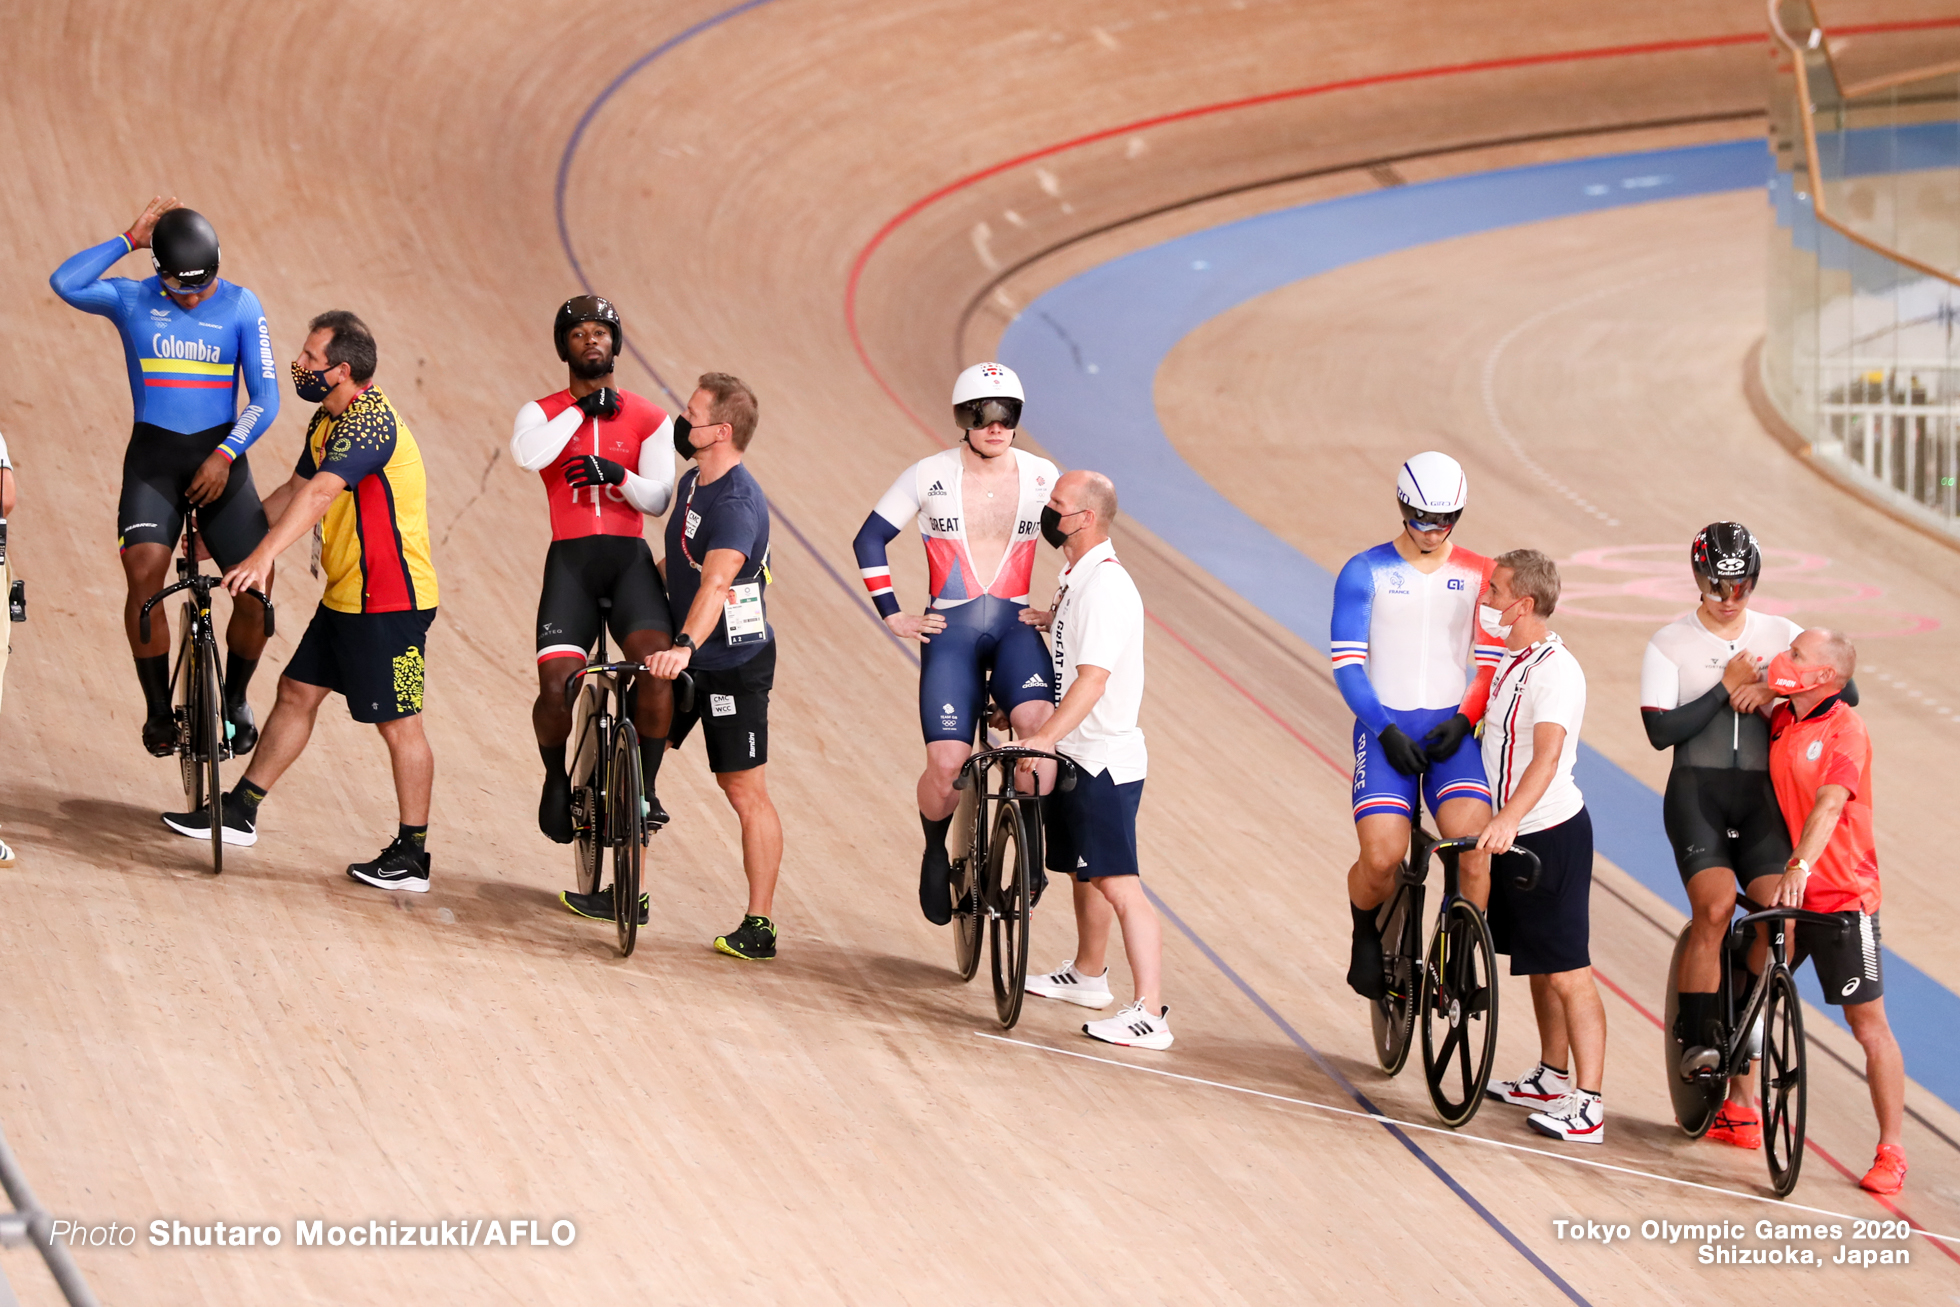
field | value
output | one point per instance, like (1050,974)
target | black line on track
(1370,165)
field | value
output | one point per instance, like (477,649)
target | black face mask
(1051,526)
(682,445)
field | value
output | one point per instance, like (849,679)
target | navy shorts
(985,650)
(376,659)
(1546,929)
(1091,830)
(1381,790)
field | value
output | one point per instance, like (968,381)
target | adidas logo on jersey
(1033,682)
(937,489)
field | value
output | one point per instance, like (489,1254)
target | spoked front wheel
(1008,895)
(629,823)
(183,703)
(1782,1083)
(1459,1013)
(967,912)
(1394,1013)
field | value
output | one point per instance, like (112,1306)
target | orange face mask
(1788,677)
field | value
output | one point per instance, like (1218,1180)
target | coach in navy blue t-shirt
(717,571)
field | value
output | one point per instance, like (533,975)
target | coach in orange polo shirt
(1820,762)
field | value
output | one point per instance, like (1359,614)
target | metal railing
(30,1222)
(1860,356)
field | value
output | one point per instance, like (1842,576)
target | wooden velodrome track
(279,1044)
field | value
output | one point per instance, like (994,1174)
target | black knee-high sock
(554,760)
(935,831)
(153,674)
(238,675)
(1692,1013)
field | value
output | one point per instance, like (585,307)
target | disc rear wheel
(1459,1013)
(1781,1075)
(1696,1101)
(1011,856)
(629,832)
(1394,1014)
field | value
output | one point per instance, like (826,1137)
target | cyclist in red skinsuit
(606,460)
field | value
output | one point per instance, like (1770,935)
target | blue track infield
(1090,349)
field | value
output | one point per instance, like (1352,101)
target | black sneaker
(1364,974)
(397,867)
(160,737)
(197,825)
(935,884)
(598,907)
(244,728)
(555,809)
(754,940)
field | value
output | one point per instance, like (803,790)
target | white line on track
(1781,1203)
(1503,428)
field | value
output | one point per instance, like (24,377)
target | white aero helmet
(987,393)
(1432,484)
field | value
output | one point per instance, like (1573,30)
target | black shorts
(1091,830)
(157,471)
(732,705)
(578,574)
(1547,929)
(1850,964)
(376,659)
(1724,817)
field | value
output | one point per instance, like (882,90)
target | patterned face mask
(309,385)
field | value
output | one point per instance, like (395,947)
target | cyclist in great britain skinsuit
(190,340)
(1702,694)
(1405,634)
(978,505)
(606,458)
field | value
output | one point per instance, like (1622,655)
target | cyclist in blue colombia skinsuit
(190,339)
(978,506)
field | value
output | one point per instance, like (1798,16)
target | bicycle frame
(1735,1049)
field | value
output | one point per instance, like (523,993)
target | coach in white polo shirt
(1530,738)
(1096,627)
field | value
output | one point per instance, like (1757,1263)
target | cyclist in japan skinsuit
(1405,636)
(192,342)
(1702,694)
(606,457)
(978,506)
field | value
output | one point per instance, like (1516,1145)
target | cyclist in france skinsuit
(606,457)
(192,340)
(979,508)
(1702,694)
(1406,633)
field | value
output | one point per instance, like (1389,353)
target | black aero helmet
(586,308)
(1725,553)
(184,247)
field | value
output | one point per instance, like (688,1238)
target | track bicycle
(1453,988)
(609,803)
(998,873)
(1765,1027)
(197,687)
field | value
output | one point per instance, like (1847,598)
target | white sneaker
(6,855)
(1134,1027)
(1541,1088)
(1071,986)
(1577,1118)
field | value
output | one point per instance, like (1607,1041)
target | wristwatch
(1797,864)
(684,641)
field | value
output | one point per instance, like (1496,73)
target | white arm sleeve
(534,442)
(1660,680)
(901,504)
(651,489)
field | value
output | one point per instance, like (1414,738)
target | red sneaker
(1738,1124)
(1888,1173)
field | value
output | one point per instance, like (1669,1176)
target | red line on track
(1229,106)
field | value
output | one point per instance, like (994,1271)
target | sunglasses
(1428,521)
(978,413)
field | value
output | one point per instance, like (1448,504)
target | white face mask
(1493,621)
